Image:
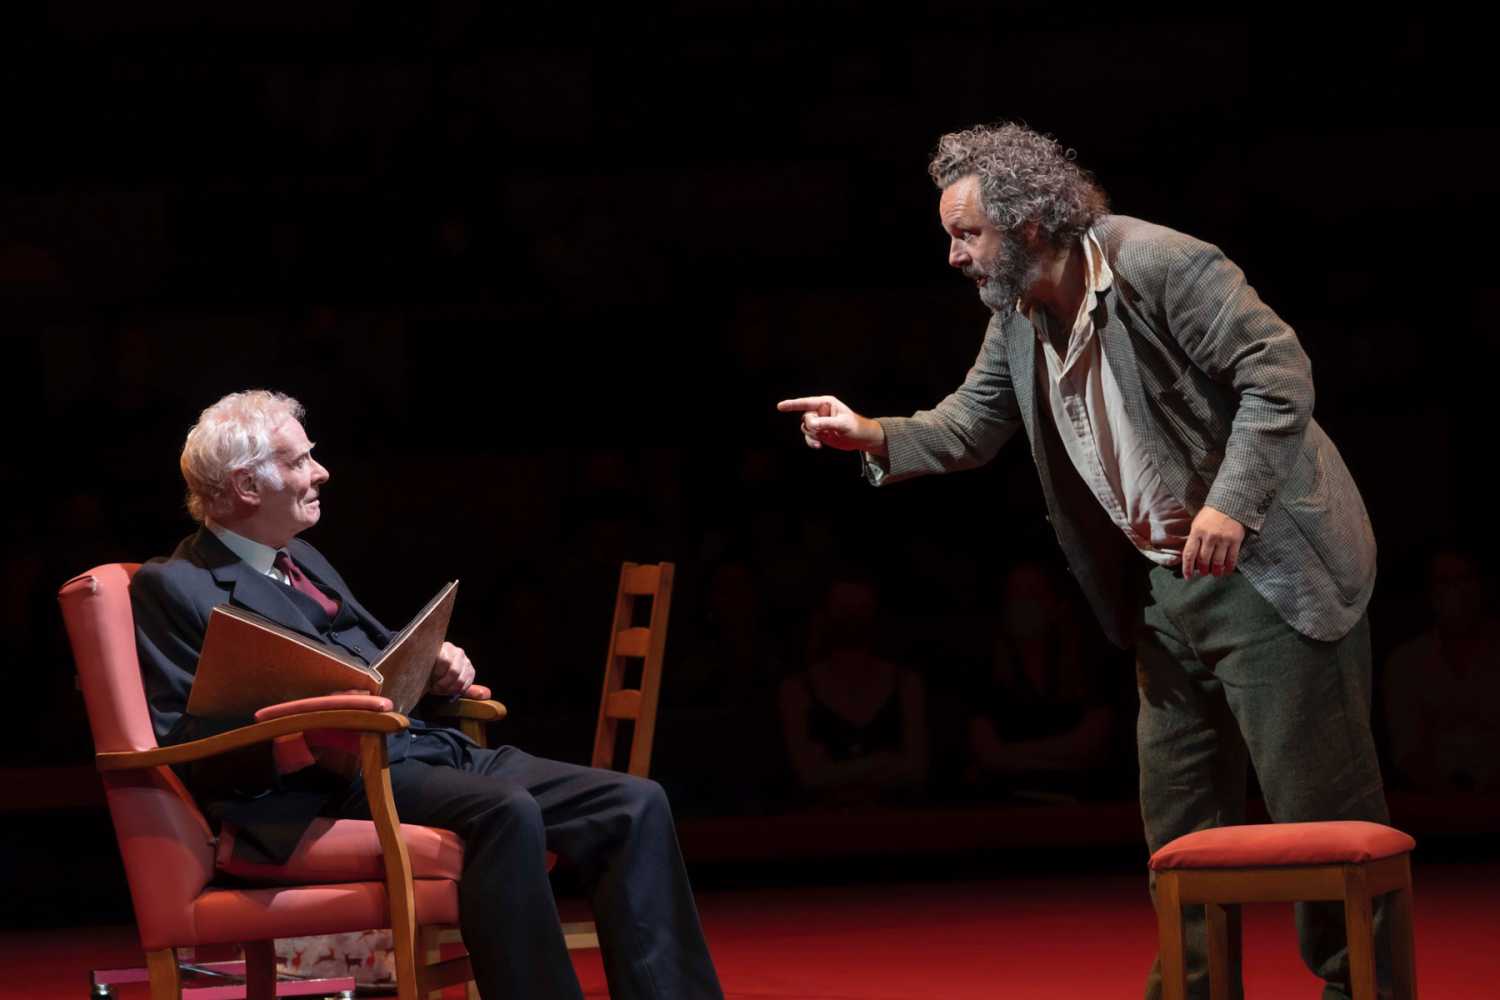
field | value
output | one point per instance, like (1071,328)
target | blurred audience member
(717,698)
(1442,689)
(855,725)
(1043,722)
(727,657)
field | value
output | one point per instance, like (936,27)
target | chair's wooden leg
(581,935)
(1216,926)
(166,981)
(260,970)
(1360,929)
(1169,932)
(431,940)
(1402,930)
(431,946)
(400,895)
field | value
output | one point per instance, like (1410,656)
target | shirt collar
(259,557)
(1100,275)
(1097,277)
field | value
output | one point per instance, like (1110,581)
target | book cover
(249,662)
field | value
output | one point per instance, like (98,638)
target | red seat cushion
(1269,845)
(326,703)
(348,850)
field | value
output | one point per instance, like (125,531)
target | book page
(405,666)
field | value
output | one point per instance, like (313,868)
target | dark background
(540,274)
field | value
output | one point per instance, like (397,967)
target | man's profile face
(997,261)
(294,507)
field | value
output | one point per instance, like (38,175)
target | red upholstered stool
(1287,862)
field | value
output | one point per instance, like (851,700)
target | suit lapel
(314,565)
(249,589)
(1149,378)
(1120,355)
(1020,349)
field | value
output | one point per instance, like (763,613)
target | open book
(249,662)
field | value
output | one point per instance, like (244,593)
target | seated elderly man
(254,486)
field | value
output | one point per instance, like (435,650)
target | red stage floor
(1046,936)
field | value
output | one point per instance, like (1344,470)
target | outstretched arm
(961,432)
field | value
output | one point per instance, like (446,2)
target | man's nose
(958,254)
(320,472)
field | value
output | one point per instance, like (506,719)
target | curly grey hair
(1024,176)
(232,434)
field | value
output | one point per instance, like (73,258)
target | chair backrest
(628,641)
(101,630)
(167,846)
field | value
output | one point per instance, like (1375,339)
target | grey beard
(999,297)
(1005,279)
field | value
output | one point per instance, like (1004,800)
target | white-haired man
(254,486)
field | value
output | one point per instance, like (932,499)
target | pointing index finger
(802,404)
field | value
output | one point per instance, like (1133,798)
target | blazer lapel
(249,589)
(1142,380)
(1020,350)
(1115,340)
(312,562)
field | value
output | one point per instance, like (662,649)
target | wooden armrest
(466,708)
(358,720)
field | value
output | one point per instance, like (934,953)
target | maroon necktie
(299,581)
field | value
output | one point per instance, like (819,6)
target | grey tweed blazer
(1221,388)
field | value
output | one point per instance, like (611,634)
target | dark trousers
(510,808)
(1225,683)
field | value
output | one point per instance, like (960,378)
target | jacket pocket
(1323,503)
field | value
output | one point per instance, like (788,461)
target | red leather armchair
(345,875)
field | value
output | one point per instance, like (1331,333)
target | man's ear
(244,487)
(1030,234)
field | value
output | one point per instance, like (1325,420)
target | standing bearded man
(1207,517)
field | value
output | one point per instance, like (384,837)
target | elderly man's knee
(512,812)
(645,797)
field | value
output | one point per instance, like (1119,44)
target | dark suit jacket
(1220,387)
(172,599)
